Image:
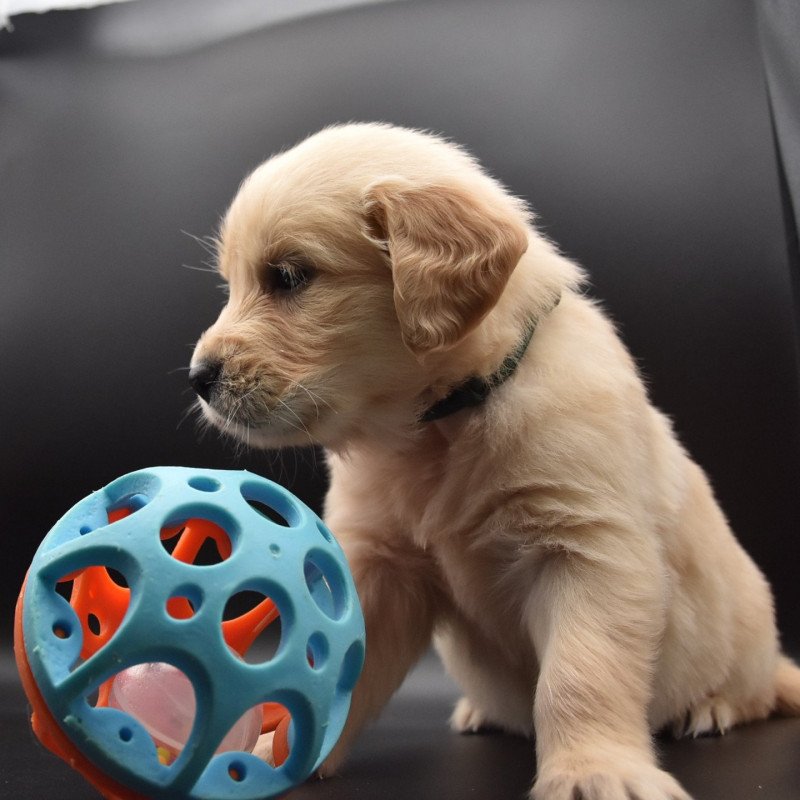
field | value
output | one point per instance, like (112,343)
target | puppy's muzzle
(204,378)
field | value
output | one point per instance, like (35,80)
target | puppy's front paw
(607,779)
(264,751)
(466,717)
(332,764)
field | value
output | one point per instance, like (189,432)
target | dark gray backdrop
(641,132)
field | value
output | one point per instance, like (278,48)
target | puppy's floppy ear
(452,250)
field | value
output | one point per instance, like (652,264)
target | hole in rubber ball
(100,604)
(62,630)
(125,506)
(204,484)
(323,529)
(276,720)
(179,606)
(268,512)
(351,667)
(251,625)
(317,650)
(325,583)
(197,541)
(237,771)
(93,623)
(117,577)
(273,502)
(125,734)
(161,698)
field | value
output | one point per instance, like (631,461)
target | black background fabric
(641,134)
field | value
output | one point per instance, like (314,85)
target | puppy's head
(352,261)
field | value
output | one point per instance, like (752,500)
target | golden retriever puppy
(500,482)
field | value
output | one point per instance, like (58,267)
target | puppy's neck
(540,279)
(465,376)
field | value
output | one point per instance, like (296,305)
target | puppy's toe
(467,718)
(710,716)
(660,787)
(607,778)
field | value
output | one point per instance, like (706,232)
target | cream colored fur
(560,547)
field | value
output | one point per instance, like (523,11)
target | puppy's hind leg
(721,711)
(497,694)
(787,688)
(746,696)
(758,682)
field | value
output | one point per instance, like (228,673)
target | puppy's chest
(486,585)
(488,562)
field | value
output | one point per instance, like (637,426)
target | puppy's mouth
(271,429)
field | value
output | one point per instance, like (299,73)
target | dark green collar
(476,389)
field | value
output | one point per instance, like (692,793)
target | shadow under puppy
(500,481)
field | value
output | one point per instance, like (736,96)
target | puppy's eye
(288,278)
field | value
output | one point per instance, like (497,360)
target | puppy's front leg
(596,620)
(397,587)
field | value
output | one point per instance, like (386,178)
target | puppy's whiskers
(233,416)
(209,243)
(194,406)
(300,425)
(314,397)
(206,267)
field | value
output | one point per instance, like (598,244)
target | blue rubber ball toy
(177,619)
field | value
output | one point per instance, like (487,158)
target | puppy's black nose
(203,376)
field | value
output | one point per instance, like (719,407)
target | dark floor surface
(410,753)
